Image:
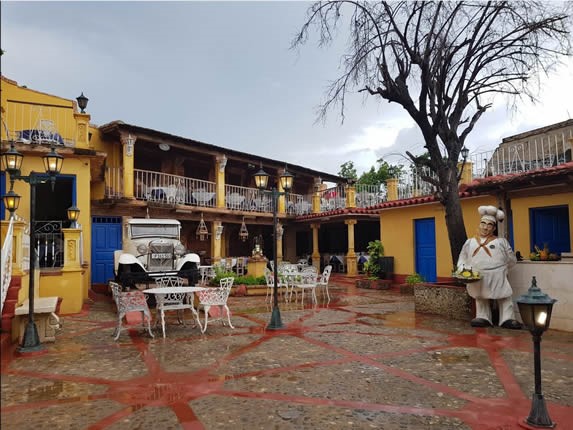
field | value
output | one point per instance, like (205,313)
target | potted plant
(374,267)
(411,281)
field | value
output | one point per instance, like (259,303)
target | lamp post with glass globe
(535,309)
(286,180)
(12,161)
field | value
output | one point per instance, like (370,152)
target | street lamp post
(286,179)
(12,160)
(535,308)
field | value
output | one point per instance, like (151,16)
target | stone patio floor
(366,360)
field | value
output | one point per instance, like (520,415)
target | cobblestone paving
(364,360)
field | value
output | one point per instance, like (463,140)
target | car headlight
(179,250)
(142,249)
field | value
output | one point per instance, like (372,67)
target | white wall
(554,278)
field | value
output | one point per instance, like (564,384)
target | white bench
(45,317)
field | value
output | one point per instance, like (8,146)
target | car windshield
(155,230)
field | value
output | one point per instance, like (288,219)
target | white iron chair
(216,296)
(270,281)
(177,301)
(323,279)
(307,280)
(129,301)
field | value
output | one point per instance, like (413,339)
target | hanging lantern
(202,231)
(243,232)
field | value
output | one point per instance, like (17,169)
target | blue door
(425,239)
(106,238)
(550,225)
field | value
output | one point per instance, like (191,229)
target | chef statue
(492,256)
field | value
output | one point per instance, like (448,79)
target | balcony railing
(519,157)
(49,243)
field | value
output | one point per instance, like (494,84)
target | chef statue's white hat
(491,213)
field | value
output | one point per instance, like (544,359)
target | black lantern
(11,201)
(12,160)
(465,152)
(535,308)
(261,178)
(73,215)
(286,179)
(82,102)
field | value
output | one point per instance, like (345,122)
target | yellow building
(33,123)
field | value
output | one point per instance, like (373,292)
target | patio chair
(129,301)
(270,281)
(307,280)
(173,301)
(241,266)
(324,278)
(216,296)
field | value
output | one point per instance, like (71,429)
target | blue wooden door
(425,239)
(106,238)
(550,225)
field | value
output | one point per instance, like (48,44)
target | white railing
(7,261)
(39,124)
(113,182)
(411,184)
(370,195)
(537,153)
(333,198)
(298,204)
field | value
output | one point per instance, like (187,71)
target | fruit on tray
(467,274)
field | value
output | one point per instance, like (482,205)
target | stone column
(220,164)
(392,189)
(280,231)
(82,127)
(351,260)
(128,144)
(315,251)
(71,248)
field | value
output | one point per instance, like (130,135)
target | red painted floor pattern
(361,311)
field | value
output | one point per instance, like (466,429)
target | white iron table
(162,292)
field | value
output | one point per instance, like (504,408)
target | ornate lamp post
(12,161)
(286,179)
(535,308)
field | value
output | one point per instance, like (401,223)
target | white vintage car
(152,248)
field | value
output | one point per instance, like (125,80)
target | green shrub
(239,280)
(375,251)
(414,278)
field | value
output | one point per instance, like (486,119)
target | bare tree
(442,62)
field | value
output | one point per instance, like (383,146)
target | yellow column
(351,260)
(350,196)
(217,241)
(20,247)
(128,143)
(282,199)
(70,287)
(315,251)
(220,164)
(280,232)
(316,202)
(392,189)
(82,126)
(466,176)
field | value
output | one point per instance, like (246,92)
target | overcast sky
(223,73)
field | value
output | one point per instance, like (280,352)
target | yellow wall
(22,109)
(397,233)
(520,209)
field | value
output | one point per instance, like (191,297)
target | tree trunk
(454,221)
